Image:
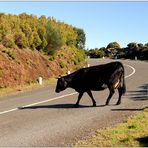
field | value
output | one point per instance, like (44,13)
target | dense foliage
(48,35)
(95,53)
(43,34)
(113,50)
(113,45)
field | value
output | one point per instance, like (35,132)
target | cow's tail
(123,85)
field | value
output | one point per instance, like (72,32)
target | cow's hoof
(118,103)
(94,105)
(106,103)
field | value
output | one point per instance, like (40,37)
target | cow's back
(113,70)
(99,72)
(95,77)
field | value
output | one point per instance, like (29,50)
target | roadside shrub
(51,58)
(29,61)
(29,82)
(8,41)
(51,52)
(95,53)
(12,54)
(75,61)
(20,39)
(62,65)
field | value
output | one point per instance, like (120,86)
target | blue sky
(103,22)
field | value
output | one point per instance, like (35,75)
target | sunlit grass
(134,132)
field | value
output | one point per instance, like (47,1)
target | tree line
(38,33)
(113,50)
(46,34)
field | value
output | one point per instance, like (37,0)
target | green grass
(133,133)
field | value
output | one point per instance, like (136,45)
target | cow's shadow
(129,109)
(140,94)
(58,106)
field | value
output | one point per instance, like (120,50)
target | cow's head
(61,84)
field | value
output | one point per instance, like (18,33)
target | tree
(133,50)
(43,37)
(20,39)
(102,48)
(113,45)
(112,48)
(54,39)
(95,53)
(43,20)
(42,34)
(146,44)
(132,45)
(8,41)
(140,45)
(36,40)
(80,41)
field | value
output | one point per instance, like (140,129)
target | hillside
(25,66)
(32,46)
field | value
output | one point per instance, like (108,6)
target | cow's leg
(79,98)
(92,98)
(120,94)
(112,91)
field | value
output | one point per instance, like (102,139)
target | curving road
(44,118)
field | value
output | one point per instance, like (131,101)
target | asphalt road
(44,118)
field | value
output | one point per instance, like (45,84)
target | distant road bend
(44,118)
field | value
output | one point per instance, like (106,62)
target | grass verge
(134,132)
(26,87)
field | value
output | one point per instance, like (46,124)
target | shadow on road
(139,95)
(62,106)
(129,109)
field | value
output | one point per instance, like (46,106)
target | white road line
(52,99)
(56,98)
(132,71)
(7,111)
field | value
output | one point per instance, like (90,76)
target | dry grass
(26,87)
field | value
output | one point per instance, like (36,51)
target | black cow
(100,77)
